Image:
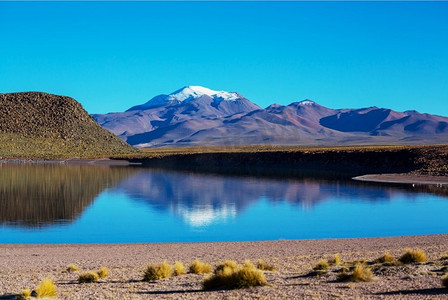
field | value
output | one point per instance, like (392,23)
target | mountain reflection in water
(45,203)
(40,194)
(199,199)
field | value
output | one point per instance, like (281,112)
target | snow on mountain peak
(307,102)
(186,94)
(194,91)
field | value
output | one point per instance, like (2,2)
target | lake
(52,203)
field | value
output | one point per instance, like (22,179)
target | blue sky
(113,55)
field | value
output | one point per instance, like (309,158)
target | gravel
(24,266)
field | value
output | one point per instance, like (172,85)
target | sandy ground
(24,266)
(404,178)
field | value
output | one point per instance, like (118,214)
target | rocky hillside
(34,124)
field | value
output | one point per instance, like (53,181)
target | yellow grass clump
(387,259)
(198,267)
(226,276)
(88,277)
(179,269)
(249,264)
(445,281)
(46,289)
(412,256)
(361,273)
(262,265)
(157,272)
(103,272)
(26,294)
(230,264)
(321,265)
(72,268)
(336,260)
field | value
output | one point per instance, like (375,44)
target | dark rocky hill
(35,124)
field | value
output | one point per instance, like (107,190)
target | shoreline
(25,265)
(390,178)
(404,178)
(70,161)
(424,164)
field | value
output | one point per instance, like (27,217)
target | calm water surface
(98,204)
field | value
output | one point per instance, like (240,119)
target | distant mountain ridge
(198,116)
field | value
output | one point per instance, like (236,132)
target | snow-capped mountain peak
(307,102)
(194,91)
(186,94)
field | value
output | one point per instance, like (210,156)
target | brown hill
(34,124)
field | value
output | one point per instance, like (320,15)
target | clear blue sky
(113,55)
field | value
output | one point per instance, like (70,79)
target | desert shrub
(321,265)
(445,281)
(88,277)
(46,289)
(103,272)
(262,265)
(386,258)
(247,277)
(26,294)
(220,279)
(336,260)
(412,256)
(179,269)
(198,267)
(243,277)
(361,273)
(72,268)
(157,272)
(249,264)
(230,264)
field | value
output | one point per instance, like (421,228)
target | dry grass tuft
(230,264)
(157,272)
(234,278)
(179,269)
(262,265)
(72,268)
(247,277)
(412,256)
(46,289)
(198,267)
(336,260)
(88,277)
(361,273)
(445,281)
(103,272)
(386,258)
(321,265)
(26,294)
(248,263)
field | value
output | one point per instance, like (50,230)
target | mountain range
(198,116)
